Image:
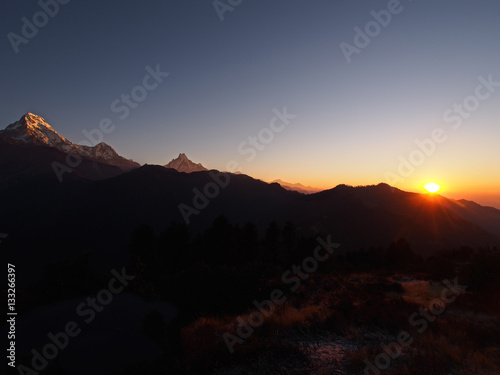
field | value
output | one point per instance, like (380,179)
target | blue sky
(353,120)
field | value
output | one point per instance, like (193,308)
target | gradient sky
(354,120)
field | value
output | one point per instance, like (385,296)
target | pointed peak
(28,116)
(182,164)
(103,145)
(33,129)
(31,119)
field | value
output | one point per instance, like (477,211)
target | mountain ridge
(297,187)
(360,216)
(33,129)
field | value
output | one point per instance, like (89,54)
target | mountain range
(297,187)
(106,197)
(34,130)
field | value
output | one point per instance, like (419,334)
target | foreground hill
(373,214)
(57,220)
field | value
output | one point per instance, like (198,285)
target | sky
(311,91)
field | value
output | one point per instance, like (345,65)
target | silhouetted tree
(272,243)
(290,242)
(248,244)
(218,244)
(143,244)
(481,273)
(174,245)
(400,255)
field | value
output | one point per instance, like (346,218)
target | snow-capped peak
(33,120)
(183,164)
(33,129)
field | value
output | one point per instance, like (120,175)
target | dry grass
(438,354)
(355,359)
(421,292)
(286,316)
(365,309)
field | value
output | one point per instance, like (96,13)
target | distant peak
(183,164)
(296,187)
(103,144)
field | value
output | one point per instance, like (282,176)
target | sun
(432,187)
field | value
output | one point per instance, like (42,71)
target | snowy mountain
(34,130)
(183,164)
